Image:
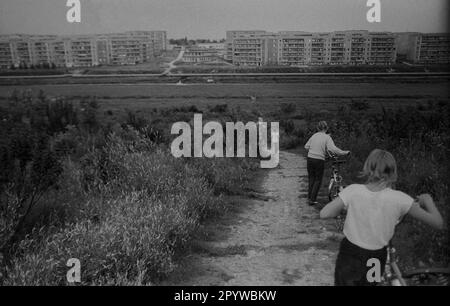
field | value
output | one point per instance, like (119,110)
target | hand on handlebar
(425,201)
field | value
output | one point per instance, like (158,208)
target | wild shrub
(187,109)
(219,108)
(152,204)
(359,105)
(288,108)
(29,169)
(288,126)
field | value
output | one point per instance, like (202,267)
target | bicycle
(335,186)
(393,275)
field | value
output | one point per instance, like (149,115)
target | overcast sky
(211,18)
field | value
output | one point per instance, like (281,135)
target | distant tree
(179,42)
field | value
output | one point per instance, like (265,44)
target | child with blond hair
(373,211)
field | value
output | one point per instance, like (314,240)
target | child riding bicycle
(373,210)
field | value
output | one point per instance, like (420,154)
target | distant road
(168,73)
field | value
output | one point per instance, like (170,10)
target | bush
(152,203)
(288,108)
(219,108)
(288,126)
(359,105)
(30,169)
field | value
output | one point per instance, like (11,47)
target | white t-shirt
(373,215)
(318,145)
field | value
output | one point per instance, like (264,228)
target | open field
(317,96)
(143,79)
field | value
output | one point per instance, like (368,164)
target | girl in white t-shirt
(373,210)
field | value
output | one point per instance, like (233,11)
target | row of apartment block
(127,48)
(429,48)
(295,48)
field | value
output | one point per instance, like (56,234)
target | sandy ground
(270,237)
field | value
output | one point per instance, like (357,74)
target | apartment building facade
(248,51)
(232,35)
(295,48)
(381,49)
(127,48)
(430,48)
(194,55)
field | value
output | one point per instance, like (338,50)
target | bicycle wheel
(333,190)
(428,277)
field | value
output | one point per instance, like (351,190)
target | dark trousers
(315,174)
(351,264)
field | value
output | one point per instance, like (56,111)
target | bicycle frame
(392,271)
(335,185)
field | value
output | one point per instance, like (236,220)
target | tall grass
(121,204)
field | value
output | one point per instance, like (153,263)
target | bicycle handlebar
(337,159)
(336,156)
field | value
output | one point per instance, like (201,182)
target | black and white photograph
(224,150)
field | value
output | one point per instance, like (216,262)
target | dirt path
(172,63)
(271,238)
